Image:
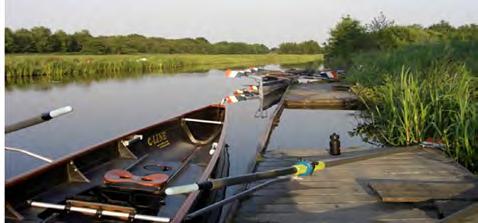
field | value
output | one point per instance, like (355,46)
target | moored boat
(124,178)
(273,98)
(272,84)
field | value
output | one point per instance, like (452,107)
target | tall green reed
(436,103)
(23,68)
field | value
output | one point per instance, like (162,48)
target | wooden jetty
(320,95)
(411,184)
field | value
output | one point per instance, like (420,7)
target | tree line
(43,40)
(306,47)
(350,36)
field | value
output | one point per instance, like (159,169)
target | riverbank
(23,70)
(425,92)
(57,65)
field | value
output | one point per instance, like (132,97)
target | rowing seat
(142,191)
(119,176)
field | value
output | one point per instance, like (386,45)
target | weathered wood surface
(467,215)
(320,95)
(341,193)
(420,191)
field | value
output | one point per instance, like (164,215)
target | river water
(104,109)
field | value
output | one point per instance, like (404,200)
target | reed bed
(419,93)
(437,104)
(59,67)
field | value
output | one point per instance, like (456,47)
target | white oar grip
(182,189)
(60,111)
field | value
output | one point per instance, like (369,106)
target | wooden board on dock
(320,95)
(341,193)
(467,215)
(420,191)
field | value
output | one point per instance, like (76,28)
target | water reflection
(48,82)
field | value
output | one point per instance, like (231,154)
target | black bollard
(334,145)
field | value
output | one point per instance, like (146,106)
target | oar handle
(38,119)
(184,189)
(60,111)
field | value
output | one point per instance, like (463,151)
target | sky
(254,21)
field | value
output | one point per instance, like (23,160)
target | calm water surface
(108,108)
(306,129)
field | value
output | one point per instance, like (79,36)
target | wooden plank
(467,215)
(307,192)
(314,199)
(331,181)
(322,153)
(343,189)
(358,213)
(399,173)
(351,157)
(288,208)
(420,191)
(449,207)
(320,208)
(297,152)
(319,95)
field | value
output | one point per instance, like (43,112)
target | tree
(79,40)
(310,47)
(347,37)
(442,27)
(287,48)
(466,32)
(24,41)
(379,23)
(95,46)
(41,40)
(41,37)
(63,40)
(306,47)
(10,46)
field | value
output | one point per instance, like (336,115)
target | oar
(38,119)
(230,199)
(302,168)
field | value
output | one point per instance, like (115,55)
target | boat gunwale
(192,197)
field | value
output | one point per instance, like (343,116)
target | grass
(24,68)
(420,93)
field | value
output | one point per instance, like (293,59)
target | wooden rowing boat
(124,178)
(273,97)
(272,83)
